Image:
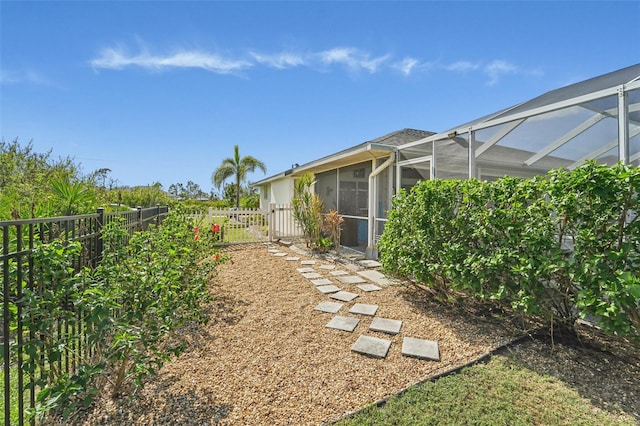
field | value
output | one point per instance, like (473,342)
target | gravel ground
(266,358)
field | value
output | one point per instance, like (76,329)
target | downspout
(372,251)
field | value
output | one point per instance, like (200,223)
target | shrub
(131,305)
(560,247)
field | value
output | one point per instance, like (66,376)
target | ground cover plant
(558,248)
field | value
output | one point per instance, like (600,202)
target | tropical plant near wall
(333,225)
(308,210)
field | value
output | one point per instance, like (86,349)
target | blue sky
(161,90)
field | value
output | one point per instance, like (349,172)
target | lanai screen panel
(451,158)
(560,138)
(354,189)
(414,173)
(416,151)
(327,188)
(385,182)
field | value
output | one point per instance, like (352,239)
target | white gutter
(372,252)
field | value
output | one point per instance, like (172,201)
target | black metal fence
(19,237)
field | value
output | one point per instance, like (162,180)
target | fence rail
(253,225)
(17,268)
(19,238)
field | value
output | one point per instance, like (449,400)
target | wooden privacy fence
(19,237)
(252,225)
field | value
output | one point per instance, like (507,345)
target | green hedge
(560,247)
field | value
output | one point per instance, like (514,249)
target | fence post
(99,242)
(140,223)
(5,326)
(272,220)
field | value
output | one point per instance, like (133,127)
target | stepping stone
(281,254)
(338,273)
(343,323)
(322,281)
(370,263)
(369,287)
(311,275)
(326,289)
(385,325)
(362,309)
(330,307)
(375,276)
(350,279)
(308,262)
(273,250)
(345,296)
(420,348)
(371,346)
(328,267)
(292,259)
(305,270)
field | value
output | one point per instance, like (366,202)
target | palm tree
(236,166)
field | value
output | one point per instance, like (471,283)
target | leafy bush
(560,247)
(131,305)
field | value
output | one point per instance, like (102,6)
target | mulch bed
(266,358)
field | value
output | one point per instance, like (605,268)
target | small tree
(236,166)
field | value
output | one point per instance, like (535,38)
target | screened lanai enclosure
(597,119)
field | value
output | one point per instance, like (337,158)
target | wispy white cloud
(461,66)
(280,61)
(351,58)
(406,65)
(498,68)
(8,77)
(119,58)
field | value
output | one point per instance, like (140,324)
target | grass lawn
(499,392)
(234,230)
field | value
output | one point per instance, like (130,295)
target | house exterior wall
(276,192)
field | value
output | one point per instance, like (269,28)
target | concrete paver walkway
(327,289)
(363,309)
(343,323)
(367,281)
(372,346)
(345,296)
(329,307)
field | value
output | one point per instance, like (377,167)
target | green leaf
(634,291)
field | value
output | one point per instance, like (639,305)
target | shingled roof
(365,151)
